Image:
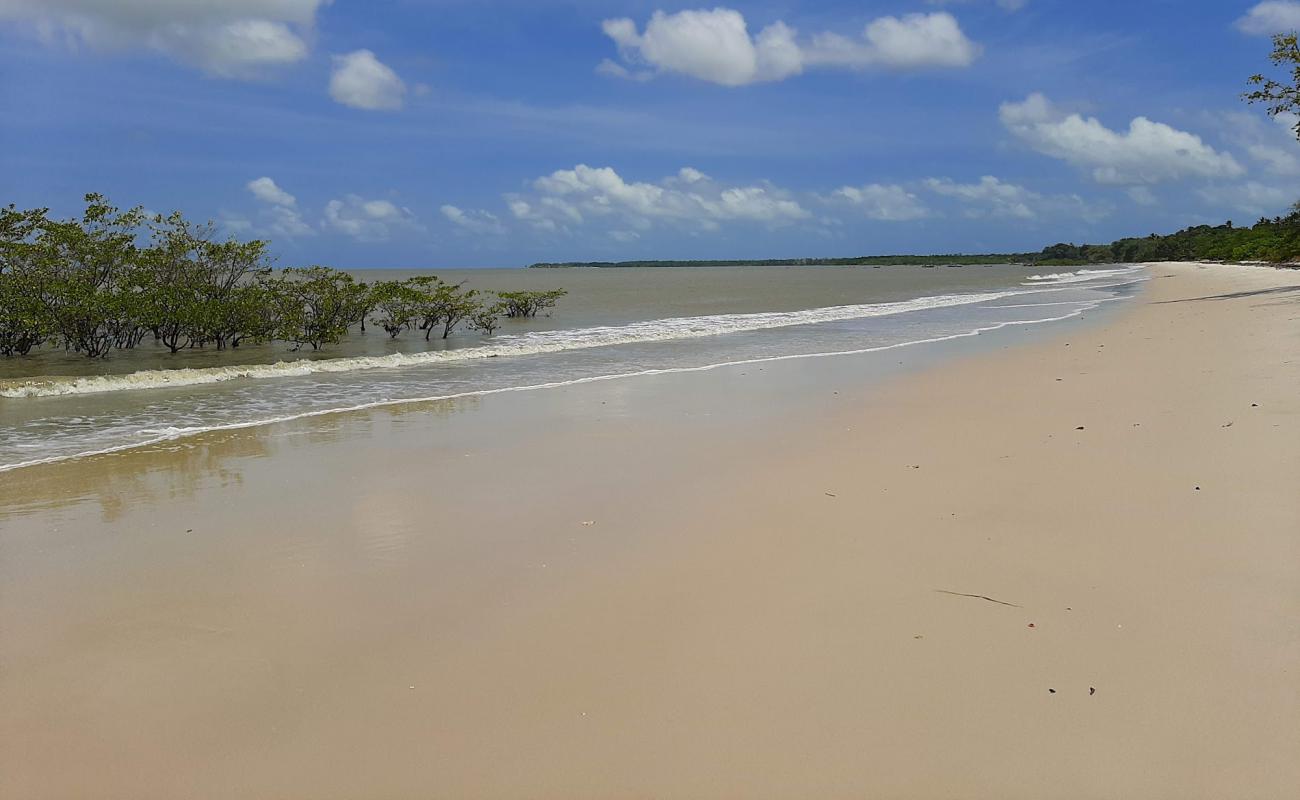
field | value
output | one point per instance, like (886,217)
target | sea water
(614,324)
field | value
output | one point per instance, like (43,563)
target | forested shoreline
(1275,240)
(116,280)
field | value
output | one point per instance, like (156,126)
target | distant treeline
(858,261)
(1275,240)
(114,279)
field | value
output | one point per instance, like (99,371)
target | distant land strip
(934,261)
(1275,240)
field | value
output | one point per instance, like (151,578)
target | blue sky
(441,133)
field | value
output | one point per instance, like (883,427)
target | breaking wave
(509,345)
(169,433)
(1079,276)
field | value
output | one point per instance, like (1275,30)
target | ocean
(614,324)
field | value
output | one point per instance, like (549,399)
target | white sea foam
(1079,276)
(156,436)
(510,345)
(167,422)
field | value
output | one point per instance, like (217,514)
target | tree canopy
(109,279)
(1280,97)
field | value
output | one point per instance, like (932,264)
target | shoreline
(732,584)
(165,429)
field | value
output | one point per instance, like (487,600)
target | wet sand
(1068,568)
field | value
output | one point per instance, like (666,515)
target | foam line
(509,345)
(173,433)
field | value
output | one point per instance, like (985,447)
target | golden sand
(1065,569)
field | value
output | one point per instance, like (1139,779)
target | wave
(160,435)
(509,345)
(1078,276)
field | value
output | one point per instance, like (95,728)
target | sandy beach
(1062,566)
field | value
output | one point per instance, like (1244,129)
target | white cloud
(1268,18)
(689,199)
(523,210)
(280,216)
(992,197)
(1141,195)
(914,41)
(362,81)
(1270,142)
(229,38)
(266,190)
(1148,152)
(287,222)
(691,175)
(612,69)
(473,221)
(1252,197)
(239,48)
(1279,160)
(886,203)
(368,220)
(715,45)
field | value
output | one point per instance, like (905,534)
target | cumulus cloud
(367,220)
(266,190)
(1270,143)
(362,81)
(1251,197)
(1268,18)
(280,215)
(990,196)
(914,41)
(882,202)
(715,45)
(473,221)
(1279,160)
(1148,152)
(993,197)
(689,199)
(228,38)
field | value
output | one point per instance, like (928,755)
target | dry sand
(731,585)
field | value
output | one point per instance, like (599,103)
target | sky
(453,133)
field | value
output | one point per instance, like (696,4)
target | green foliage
(110,278)
(79,272)
(1280,97)
(24,323)
(314,305)
(487,318)
(529,304)
(397,305)
(1275,240)
(453,305)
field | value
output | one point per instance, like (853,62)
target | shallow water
(614,323)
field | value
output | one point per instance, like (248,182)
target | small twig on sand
(978,597)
